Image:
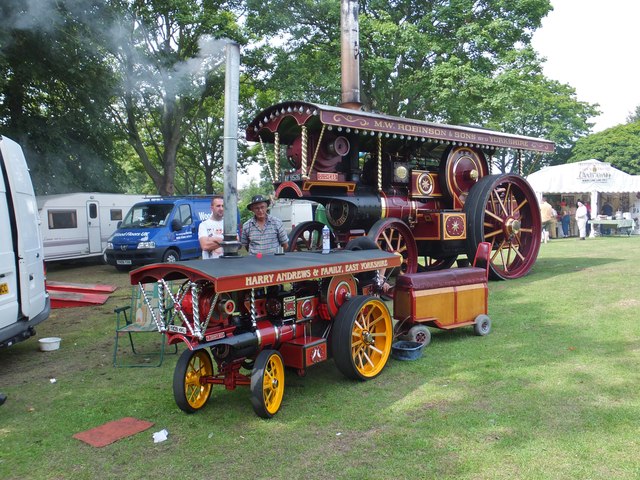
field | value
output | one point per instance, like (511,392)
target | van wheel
(170,256)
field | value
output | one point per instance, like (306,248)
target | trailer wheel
(503,210)
(170,256)
(419,334)
(362,337)
(267,383)
(189,390)
(307,237)
(482,325)
(393,235)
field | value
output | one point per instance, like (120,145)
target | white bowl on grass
(49,344)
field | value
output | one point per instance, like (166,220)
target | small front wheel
(482,325)
(189,390)
(267,383)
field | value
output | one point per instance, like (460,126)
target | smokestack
(350,48)
(231,245)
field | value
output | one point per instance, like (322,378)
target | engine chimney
(350,48)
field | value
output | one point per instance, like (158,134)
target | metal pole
(230,244)
(350,53)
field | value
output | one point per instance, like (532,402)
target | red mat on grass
(112,431)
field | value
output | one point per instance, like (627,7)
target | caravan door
(93,226)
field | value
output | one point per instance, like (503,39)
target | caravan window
(93,210)
(147,215)
(59,219)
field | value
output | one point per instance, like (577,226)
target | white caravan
(23,298)
(293,212)
(78,225)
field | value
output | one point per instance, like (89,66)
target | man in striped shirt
(263,233)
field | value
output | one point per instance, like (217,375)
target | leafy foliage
(460,62)
(619,146)
(167,55)
(634,116)
(128,95)
(54,94)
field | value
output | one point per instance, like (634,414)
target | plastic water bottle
(326,241)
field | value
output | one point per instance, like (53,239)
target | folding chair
(136,318)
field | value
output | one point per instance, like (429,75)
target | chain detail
(379,163)
(303,166)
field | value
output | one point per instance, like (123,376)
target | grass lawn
(551,393)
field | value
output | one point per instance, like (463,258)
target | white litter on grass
(338,434)
(160,436)
(52,380)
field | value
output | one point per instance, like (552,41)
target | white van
(78,225)
(293,212)
(24,301)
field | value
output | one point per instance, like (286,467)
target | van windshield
(147,216)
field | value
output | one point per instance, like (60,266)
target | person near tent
(607,210)
(546,216)
(566,221)
(588,226)
(581,220)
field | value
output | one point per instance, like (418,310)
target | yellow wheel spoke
(369,361)
(492,234)
(493,215)
(375,349)
(522,204)
(500,204)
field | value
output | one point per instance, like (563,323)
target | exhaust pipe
(350,54)
(230,244)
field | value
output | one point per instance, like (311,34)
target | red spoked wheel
(431,263)
(307,237)
(503,210)
(393,235)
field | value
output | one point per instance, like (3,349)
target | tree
(418,59)
(634,116)
(522,100)
(456,62)
(619,146)
(166,54)
(53,96)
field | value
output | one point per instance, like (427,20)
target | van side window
(116,214)
(62,219)
(185,215)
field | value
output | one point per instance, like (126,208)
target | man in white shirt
(211,231)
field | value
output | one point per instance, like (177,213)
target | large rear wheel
(431,263)
(307,237)
(393,235)
(362,337)
(189,390)
(503,210)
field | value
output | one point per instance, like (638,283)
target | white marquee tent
(589,179)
